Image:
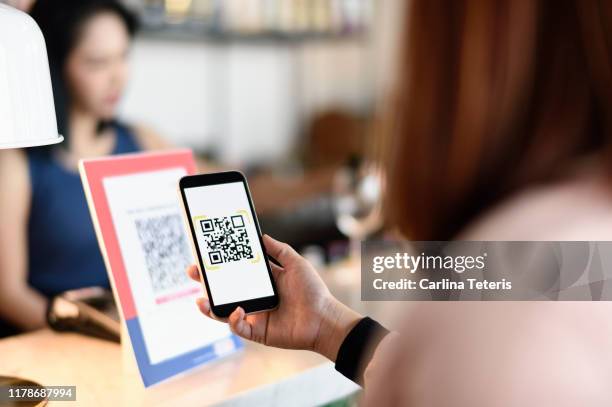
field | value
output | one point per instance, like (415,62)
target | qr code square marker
(207,225)
(215,257)
(237,221)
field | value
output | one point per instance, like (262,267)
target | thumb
(280,251)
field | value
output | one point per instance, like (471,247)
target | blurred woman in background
(501,129)
(47,241)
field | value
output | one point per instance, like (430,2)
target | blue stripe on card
(155,373)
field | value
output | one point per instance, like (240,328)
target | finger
(193,273)
(204,306)
(280,251)
(276,270)
(239,325)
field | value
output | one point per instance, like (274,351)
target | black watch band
(358,347)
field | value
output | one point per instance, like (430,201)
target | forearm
(23,307)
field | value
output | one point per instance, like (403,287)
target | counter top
(105,375)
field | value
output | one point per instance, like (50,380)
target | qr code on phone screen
(226,239)
(165,249)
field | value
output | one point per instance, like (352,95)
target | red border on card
(95,171)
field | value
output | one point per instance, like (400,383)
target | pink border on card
(175,296)
(95,171)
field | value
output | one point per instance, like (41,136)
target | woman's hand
(308,316)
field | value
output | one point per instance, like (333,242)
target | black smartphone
(227,242)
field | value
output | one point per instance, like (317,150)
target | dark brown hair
(493,96)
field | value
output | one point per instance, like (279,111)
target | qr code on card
(166,250)
(226,239)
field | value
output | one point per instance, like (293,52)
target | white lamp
(27,112)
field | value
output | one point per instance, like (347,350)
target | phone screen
(229,245)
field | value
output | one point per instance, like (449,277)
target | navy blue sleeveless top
(63,251)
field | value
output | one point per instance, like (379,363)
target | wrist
(337,320)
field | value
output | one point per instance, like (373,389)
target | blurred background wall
(244,80)
(246,101)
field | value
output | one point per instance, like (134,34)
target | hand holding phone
(308,316)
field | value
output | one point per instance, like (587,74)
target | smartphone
(227,243)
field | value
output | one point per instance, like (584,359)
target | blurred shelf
(170,33)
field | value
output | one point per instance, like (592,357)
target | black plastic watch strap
(358,347)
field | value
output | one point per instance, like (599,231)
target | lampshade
(27,113)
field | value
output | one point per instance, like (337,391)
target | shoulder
(576,209)
(149,139)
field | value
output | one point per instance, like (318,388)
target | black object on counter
(84,311)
